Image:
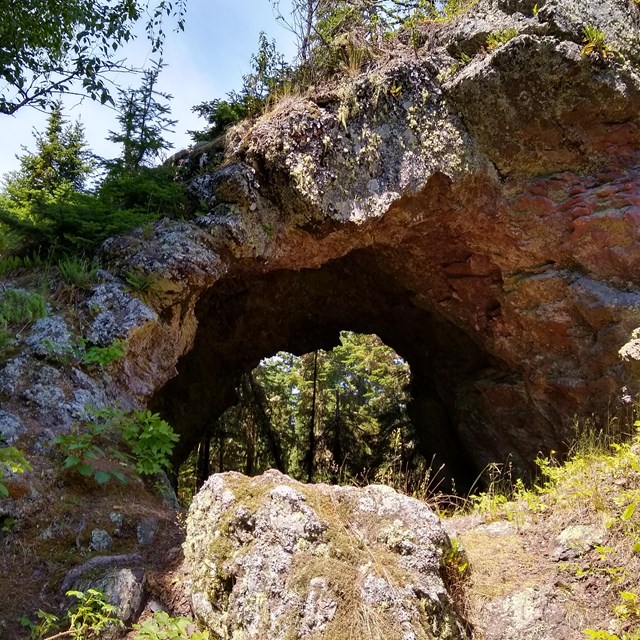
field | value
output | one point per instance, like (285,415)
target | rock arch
(483,221)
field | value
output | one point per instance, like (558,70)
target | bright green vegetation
(163,627)
(142,438)
(77,352)
(18,306)
(595,43)
(498,38)
(89,619)
(93,616)
(13,460)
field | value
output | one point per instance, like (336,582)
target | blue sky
(204,62)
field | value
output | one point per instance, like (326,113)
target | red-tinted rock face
(483,221)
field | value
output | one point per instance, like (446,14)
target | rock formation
(479,210)
(269,557)
(482,218)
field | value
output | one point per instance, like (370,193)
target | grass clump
(498,38)
(144,439)
(18,306)
(78,272)
(595,43)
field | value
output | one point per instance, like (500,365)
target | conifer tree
(144,120)
(60,163)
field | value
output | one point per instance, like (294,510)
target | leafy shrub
(88,619)
(151,440)
(163,627)
(78,352)
(17,306)
(146,194)
(82,451)
(148,438)
(11,459)
(104,356)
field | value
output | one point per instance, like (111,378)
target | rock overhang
(494,249)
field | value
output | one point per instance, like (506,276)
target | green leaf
(119,476)
(627,514)
(85,470)
(102,477)
(71,461)
(4,492)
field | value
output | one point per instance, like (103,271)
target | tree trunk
(312,423)
(264,423)
(203,470)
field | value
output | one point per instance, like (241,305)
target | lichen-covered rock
(123,587)
(269,557)
(11,427)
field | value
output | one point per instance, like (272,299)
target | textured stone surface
(122,586)
(482,218)
(488,234)
(11,427)
(269,557)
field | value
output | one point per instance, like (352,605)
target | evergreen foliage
(268,71)
(335,415)
(144,120)
(45,206)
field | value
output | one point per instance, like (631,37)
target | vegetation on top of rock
(46,205)
(595,43)
(586,509)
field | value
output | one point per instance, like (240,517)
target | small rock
(119,312)
(50,337)
(118,521)
(576,540)
(100,540)
(122,586)
(146,531)
(11,427)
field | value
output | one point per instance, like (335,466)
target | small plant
(498,38)
(13,460)
(595,43)
(82,451)
(104,356)
(77,351)
(151,440)
(628,611)
(18,306)
(140,282)
(163,627)
(9,264)
(88,619)
(78,272)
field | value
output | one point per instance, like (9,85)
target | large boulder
(269,557)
